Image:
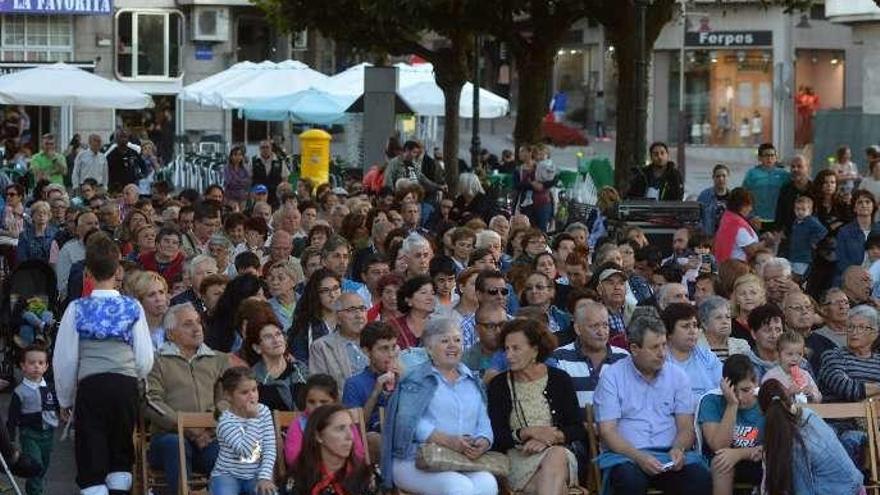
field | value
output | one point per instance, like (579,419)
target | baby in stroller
(34,319)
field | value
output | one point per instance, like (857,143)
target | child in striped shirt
(247,439)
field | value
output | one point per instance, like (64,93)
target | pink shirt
(811,390)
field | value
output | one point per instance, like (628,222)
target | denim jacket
(407,406)
(851,246)
(824,467)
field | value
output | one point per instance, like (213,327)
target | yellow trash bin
(315,162)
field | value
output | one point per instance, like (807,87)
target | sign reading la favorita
(55,7)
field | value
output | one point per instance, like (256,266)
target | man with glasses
(269,170)
(339,353)
(488,321)
(765,181)
(492,292)
(48,164)
(584,358)
(832,335)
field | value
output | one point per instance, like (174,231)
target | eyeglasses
(329,290)
(843,302)
(272,336)
(494,291)
(855,329)
(799,309)
(353,309)
(11,194)
(491,325)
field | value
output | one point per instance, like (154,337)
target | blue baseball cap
(260,189)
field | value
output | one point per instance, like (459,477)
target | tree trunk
(452,94)
(451,73)
(534,66)
(625,155)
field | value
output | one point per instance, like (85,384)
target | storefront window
(37,38)
(728,97)
(819,79)
(148,44)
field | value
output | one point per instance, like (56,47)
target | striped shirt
(247,446)
(584,377)
(843,375)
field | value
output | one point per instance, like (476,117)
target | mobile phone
(667,466)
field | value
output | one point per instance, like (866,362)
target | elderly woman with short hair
(714,316)
(282,279)
(852,373)
(535,412)
(441,402)
(472,201)
(36,239)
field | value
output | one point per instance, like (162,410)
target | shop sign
(56,7)
(12,67)
(724,39)
(204,51)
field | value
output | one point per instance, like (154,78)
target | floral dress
(530,408)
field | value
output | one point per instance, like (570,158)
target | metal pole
(475,121)
(641,81)
(682,129)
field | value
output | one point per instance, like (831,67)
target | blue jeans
(629,479)
(227,485)
(164,455)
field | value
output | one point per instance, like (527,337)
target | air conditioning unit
(210,23)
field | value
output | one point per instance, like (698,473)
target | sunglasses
(11,194)
(495,291)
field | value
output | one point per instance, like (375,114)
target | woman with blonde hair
(748,293)
(151,290)
(36,238)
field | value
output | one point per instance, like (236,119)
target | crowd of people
(474,341)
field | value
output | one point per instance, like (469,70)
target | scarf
(329,483)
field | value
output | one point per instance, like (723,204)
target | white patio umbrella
(204,91)
(417,86)
(427,99)
(60,85)
(271,81)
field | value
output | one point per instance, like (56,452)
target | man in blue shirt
(645,411)
(370,388)
(765,181)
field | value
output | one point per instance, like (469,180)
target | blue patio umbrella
(310,106)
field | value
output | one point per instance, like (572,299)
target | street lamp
(475,122)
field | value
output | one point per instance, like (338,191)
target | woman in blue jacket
(852,236)
(802,455)
(441,402)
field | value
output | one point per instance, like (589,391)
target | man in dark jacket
(268,169)
(659,180)
(800,185)
(124,163)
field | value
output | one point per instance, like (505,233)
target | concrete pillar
(380,89)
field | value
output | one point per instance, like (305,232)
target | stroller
(31,278)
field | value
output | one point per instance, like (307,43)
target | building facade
(155,46)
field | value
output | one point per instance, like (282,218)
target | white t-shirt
(744,237)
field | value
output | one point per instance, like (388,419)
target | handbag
(434,458)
